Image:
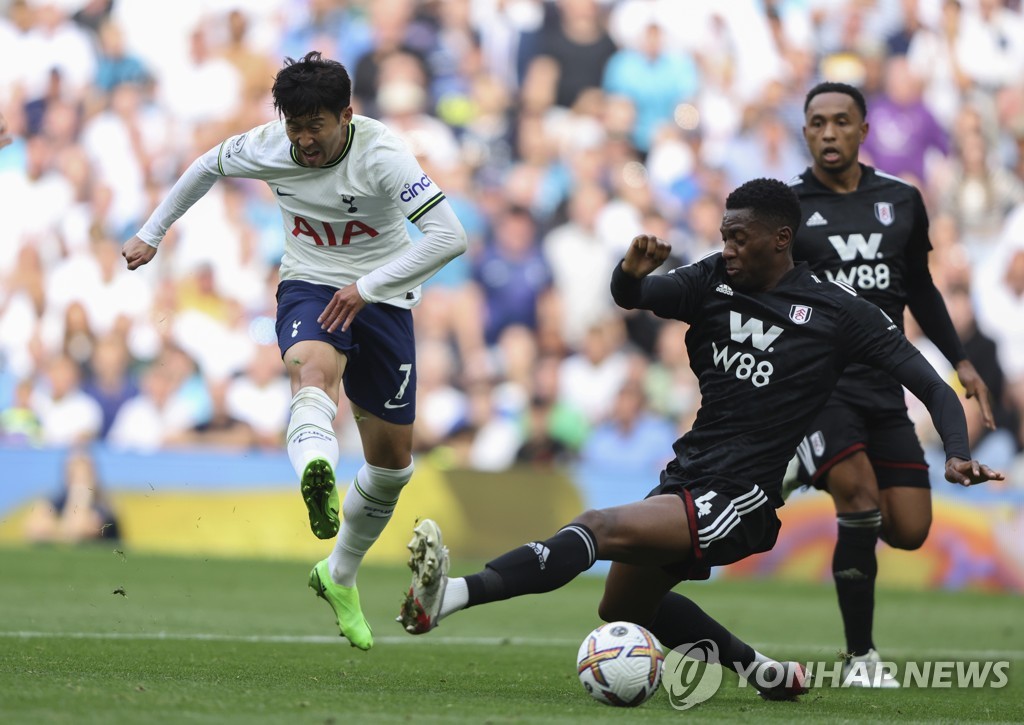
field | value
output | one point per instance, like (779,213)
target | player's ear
(864,131)
(346,114)
(783,239)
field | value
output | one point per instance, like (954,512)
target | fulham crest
(884,212)
(800,314)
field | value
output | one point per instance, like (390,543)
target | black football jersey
(766,362)
(863,239)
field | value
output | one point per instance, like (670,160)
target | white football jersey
(345,219)
(342,222)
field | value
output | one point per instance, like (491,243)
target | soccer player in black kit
(868,230)
(768,341)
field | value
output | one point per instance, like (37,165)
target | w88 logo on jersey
(743,365)
(863,276)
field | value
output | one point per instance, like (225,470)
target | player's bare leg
(542,566)
(642,594)
(906,516)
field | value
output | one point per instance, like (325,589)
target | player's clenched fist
(646,253)
(137,253)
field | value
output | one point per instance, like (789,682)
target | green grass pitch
(90,635)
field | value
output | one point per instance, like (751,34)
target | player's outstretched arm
(975,388)
(198,178)
(646,253)
(137,253)
(969,473)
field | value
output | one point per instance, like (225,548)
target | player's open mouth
(830,154)
(309,155)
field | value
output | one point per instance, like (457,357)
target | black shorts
(728,520)
(380,376)
(885,434)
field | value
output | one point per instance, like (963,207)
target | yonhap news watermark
(931,674)
(692,674)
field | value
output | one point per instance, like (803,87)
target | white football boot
(866,671)
(429,564)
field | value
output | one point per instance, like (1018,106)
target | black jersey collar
(867,175)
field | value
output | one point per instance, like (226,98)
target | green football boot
(321,497)
(345,603)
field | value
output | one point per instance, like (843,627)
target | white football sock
(456,597)
(311,429)
(367,508)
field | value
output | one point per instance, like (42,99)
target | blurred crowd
(557,128)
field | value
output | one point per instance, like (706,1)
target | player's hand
(137,253)
(646,253)
(976,388)
(968,473)
(342,309)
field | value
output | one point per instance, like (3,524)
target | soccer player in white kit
(350,275)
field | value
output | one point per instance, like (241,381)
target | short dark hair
(773,201)
(314,83)
(835,87)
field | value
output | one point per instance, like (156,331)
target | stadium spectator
(79,513)
(344,303)
(222,429)
(764,149)
(487,438)
(632,439)
(588,380)
(998,292)
(111,382)
(260,398)
(157,416)
(402,104)
(511,273)
(656,78)
(978,194)
(393,29)
(1002,443)
(440,404)
(115,65)
(19,424)
(994,36)
(903,129)
(68,415)
(572,49)
(575,252)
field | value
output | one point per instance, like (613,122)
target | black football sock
(854,567)
(680,621)
(540,566)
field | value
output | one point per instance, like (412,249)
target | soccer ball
(620,664)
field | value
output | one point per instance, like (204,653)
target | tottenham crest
(800,314)
(884,212)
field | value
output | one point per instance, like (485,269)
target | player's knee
(615,610)
(854,499)
(625,607)
(908,537)
(595,520)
